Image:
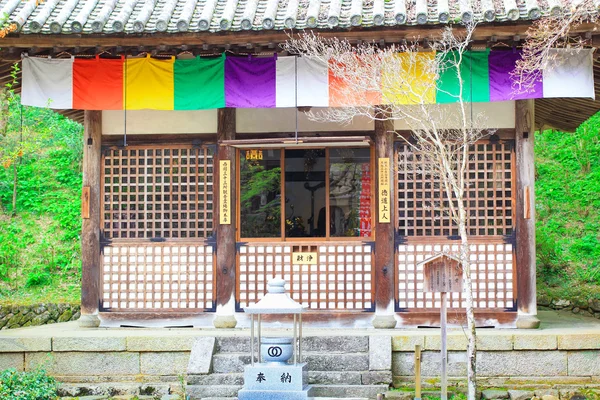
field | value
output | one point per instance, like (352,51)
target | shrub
(33,385)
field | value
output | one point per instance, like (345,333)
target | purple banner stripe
(250,82)
(501,83)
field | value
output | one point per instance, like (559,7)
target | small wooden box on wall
(442,274)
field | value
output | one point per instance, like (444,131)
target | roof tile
(174,16)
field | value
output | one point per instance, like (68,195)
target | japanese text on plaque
(225,205)
(384,190)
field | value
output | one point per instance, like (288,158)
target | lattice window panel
(341,280)
(422,206)
(157,192)
(492,276)
(158,277)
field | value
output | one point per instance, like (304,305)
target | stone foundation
(355,363)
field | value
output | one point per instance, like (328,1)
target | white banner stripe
(571,74)
(313,82)
(285,85)
(47,83)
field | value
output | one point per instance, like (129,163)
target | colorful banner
(102,77)
(199,83)
(149,84)
(250,82)
(501,64)
(267,82)
(47,83)
(474,73)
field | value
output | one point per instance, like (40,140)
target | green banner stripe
(199,83)
(474,71)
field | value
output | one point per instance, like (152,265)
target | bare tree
(557,29)
(399,82)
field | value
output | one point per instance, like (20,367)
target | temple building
(204,175)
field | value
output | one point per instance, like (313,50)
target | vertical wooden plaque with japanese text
(225,192)
(384,190)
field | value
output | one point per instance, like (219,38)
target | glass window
(349,192)
(305,193)
(327,193)
(260,193)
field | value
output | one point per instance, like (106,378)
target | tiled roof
(175,16)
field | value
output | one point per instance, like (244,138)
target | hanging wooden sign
(384,191)
(254,155)
(442,274)
(225,192)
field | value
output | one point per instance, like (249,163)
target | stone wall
(14,316)
(514,361)
(585,307)
(135,362)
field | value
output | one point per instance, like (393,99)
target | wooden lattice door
(424,227)
(157,223)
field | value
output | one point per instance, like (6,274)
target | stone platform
(342,363)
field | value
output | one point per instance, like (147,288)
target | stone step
(314,398)
(337,362)
(198,392)
(321,344)
(114,389)
(234,378)
(336,344)
(314,377)
(349,391)
(225,363)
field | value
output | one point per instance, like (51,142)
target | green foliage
(260,220)
(567,204)
(39,237)
(34,385)
(590,393)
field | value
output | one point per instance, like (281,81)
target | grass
(40,257)
(567,207)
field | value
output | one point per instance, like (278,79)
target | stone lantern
(273,376)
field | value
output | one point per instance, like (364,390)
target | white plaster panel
(159,122)
(499,115)
(259,120)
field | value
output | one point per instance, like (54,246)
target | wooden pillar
(384,232)
(225,279)
(525,215)
(90,227)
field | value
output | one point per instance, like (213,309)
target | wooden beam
(265,37)
(525,227)
(385,267)
(90,227)
(226,268)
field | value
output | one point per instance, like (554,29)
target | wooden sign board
(442,274)
(384,191)
(305,258)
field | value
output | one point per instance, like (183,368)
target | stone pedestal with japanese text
(270,381)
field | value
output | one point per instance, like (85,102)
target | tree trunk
(471,333)
(15,181)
